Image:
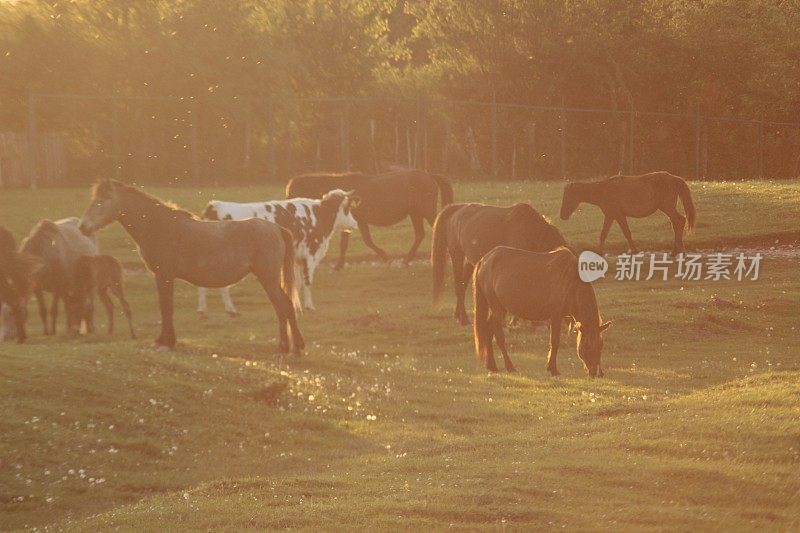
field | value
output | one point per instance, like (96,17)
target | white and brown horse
(311,223)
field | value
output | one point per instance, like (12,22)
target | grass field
(386,422)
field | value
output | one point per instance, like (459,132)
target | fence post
(195,142)
(115,137)
(631,141)
(33,142)
(344,135)
(446,144)
(697,143)
(272,139)
(494,135)
(761,146)
(563,140)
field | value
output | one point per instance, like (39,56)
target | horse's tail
(439,249)
(481,329)
(445,188)
(688,205)
(287,272)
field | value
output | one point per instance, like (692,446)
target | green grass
(387,422)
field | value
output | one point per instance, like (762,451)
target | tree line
(722,58)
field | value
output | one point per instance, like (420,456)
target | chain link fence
(62,139)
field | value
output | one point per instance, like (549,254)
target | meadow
(387,422)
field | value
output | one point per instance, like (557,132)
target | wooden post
(697,143)
(115,138)
(446,144)
(494,135)
(761,146)
(409,163)
(344,135)
(33,143)
(272,139)
(631,141)
(373,128)
(563,140)
(532,149)
(195,142)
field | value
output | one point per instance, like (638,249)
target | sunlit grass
(387,422)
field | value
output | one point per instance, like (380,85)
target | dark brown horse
(634,196)
(468,231)
(99,274)
(175,244)
(535,286)
(16,281)
(386,199)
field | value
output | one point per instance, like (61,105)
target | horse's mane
(527,213)
(105,186)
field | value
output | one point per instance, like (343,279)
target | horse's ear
(355,201)
(577,326)
(605,326)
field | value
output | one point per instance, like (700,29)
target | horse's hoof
(298,352)
(234,313)
(511,370)
(202,315)
(162,347)
(337,267)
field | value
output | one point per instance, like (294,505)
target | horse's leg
(225,292)
(623,224)
(555,340)
(166,295)
(286,315)
(105,299)
(367,236)
(306,279)
(678,225)
(88,313)
(459,286)
(419,235)
(499,334)
(54,313)
(42,310)
(202,304)
(119,292)
(604,232)
(342,250)
(491,365)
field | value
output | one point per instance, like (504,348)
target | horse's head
(104,207)
(590,347)
(570,201)
(347,201)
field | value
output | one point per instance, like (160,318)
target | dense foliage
(723,57)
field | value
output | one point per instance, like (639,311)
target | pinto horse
(175,244)
(535,286)
(468,231)
(386,199)
(634,196)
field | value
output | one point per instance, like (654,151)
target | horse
(535,286)
(99,274)
(58,245)
(311,223)
(16,282)
(386,199)
(469,231)
(634,196)
(175,244)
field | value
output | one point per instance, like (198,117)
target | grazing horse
(386,199)
(99,274)
(58,245)
(468,231)
(535,286)
(175,244)
(16,280)
(634,196)
(311,223)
